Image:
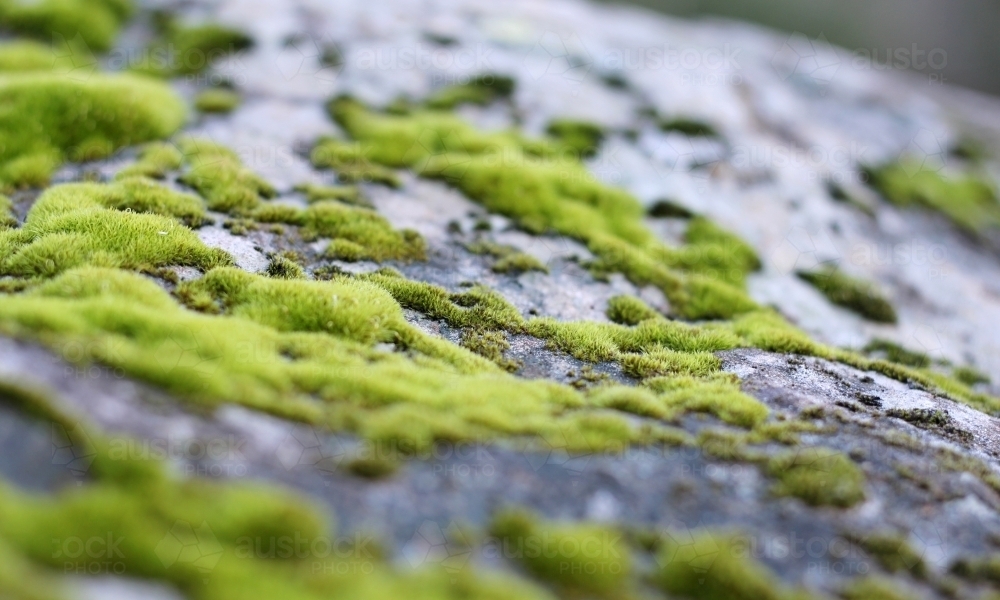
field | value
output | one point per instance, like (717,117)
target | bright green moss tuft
(853,294)
(31,56)
(76,224)
(819,476)
(580,137)
(719,396)
(629,310)
(97,21)
(480,90)
(348,194)
(217,100)
(873,588)
(577,558)
(509,259)
(283,267)
(491,345)
(221,178)
(49,118)
(352,163)
(189,50)
(155,161)
(967,200)
(7,218)
(714,566)
(362,227)
(970,376)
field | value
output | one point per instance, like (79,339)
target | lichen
(854,294)
(49,118)
(819,476)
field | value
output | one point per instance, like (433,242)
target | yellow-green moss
(221,178)
(892,552)
(344,193)
(49,118)
(819,476)
(576,558)
(480,90)
(7,218)
(509,259)
(896,353)
(189,50)
(715,566)
(873,588)
(155,161)
(579,137)
(217,100)
(969,201)
(531,182)
(719,396)
(132,224)
(629,310)
(491,345)
(97,21)
(24,55)
(856,295)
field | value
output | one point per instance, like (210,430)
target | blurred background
(966,30)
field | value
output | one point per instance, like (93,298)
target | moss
(689,127)
(897,354)
(50,118)
(348,194)
(530,182)
(509,259)
(97,21)
(856,295)
(189,50)
(819,476)
(967,200)
(980,568)
(26,55)
(668,209)
(715,566)
(719,396)
(629,310)
(221,178)
(970,376)
(7,217)
(352,163)
(372,467)
(577,558)
(873,588)
(481,90)
(155,161)
(77,224)
(282,266)
(892,552)
(491,345)
(217,100)
(579,137)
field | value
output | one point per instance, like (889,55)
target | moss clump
(155,161)
(490,345)
(967,375)
(579,137)
(509,259)
(860,297)
(131,224)
(715,566)
(23,55)
(221,178)
(189,50)
(980,568)
(819,476)
(217,100)
(352,162)
(49,118)
(97,21)
(347,194)
(897,354)
(689,127)
(873,588)
(892,552)
(719,396)
(629,310)
(535,186)
(282,266)
(668,209)
(577,559)
(481,90)
(966,200)
(7,218)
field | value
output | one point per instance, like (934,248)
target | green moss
(668,209)
(579,137)
(7,218)
(873,588)
(896,353)
(719,396)
(221,178)
(189,50)
(970,376)
(892,552)
(217,100)
(969,201)
(629,310)
(980,568)
(715,566)
(76,224)
(97,21)
(819,476)
(348,194)
(282,266)
(689,127)
(530,182)
(509,259)
(26,55)
(577,558)
(491,345)
(50,118)
(856,295)
(352,162)
(155,161)
(481,90)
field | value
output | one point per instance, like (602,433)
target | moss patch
(819,476)
(580,137)
(49,118)
(217,100)
(97,21)
(481,90)
(858,296)
(189,50)
(509,259)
